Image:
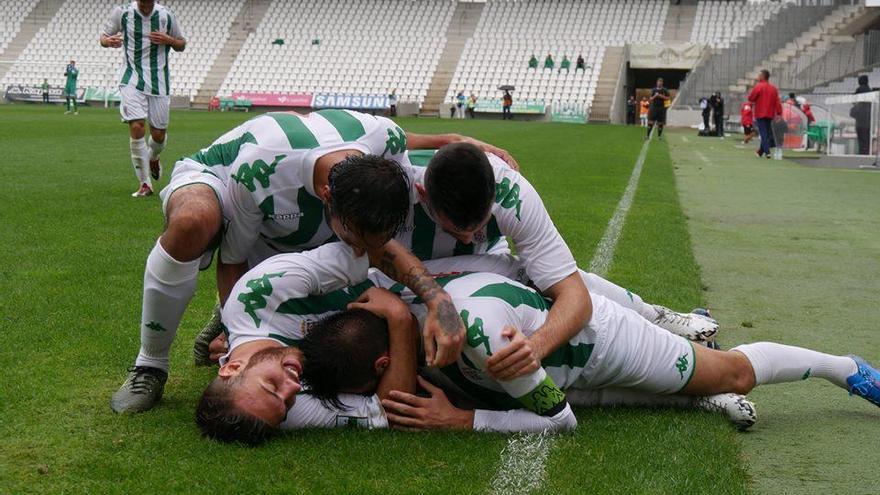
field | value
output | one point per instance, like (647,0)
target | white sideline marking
(604,255)
(521,468)
(685,139)
(701,156)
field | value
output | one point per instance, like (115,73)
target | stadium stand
(718,23)
(12,13)
(395,44)
(510,32)
(73,34)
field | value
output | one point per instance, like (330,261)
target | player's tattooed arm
(443,334)
(435,141)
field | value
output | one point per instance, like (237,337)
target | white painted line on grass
(604,255)
(521,468)
(701,156)
(685,139)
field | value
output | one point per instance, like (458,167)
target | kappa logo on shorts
(682,365)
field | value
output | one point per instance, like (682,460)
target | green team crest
(261,288)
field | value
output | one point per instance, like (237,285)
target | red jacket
(765,96)
(745,113)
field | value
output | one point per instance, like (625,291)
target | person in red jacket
(745,117)
(767,106)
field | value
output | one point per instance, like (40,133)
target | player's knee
(194,218)
(136,127)
(741,375)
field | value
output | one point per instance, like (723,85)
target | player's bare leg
(156,143)
(193,220)
(140,154)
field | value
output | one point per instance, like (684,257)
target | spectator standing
(805,107)
(459,103)
(747,121)
(71,72)
(766,107)
(45,88)
(643,111)
(793,100)
(718,115)
(533,62)
(706,109)
(471,105)
(392,103)
(861,111)
(566,63)
(631,110)
(506,103)
(548,62)
(580,64)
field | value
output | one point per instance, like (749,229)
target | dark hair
(461,184)
(340,351)
(766,74)
(370,194)
(219,418)
(863,79)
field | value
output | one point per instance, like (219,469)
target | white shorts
(136,105)
(187,172)
(631,352)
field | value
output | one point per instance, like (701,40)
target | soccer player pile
(365,277)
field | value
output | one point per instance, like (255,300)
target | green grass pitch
(71,267)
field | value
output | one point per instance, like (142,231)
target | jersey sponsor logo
(352,421)
(682,365)
(507,196)
(261,288)
(475,335)
(259,172)
(396,142)
(286,216)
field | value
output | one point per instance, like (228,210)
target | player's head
(146,6)
(764,75)
(72,62)
(863,80)
(367,200)
(459,189)
(251,396)
(659,82)
(345,353)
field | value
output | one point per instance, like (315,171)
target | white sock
(139,160)
(168,287)
(778,363)
(598,285)
(156,147)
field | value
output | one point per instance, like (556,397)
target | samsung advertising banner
(355,102)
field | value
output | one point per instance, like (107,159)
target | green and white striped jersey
(270,167)
(518,214)
(146,64)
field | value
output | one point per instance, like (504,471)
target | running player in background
(146,32)
(71,72)
(657,113)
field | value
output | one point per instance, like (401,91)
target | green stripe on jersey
(312,211)
(298,135)
(420,158)
(422,243)
(348,126)
(138,50)
(127,76)
(223,153)
(167,50)
(337,300)
(573,356)
(513,295)
(154,56)
(493,233)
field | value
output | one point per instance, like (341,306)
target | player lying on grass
(285,159)
(476,200)
(617,348)
(259,379)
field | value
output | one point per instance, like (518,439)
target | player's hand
(488,148)
(413,413)
(443,333)
(159,38)
(382,303)
(218,348)
(114,41)
(514,360)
